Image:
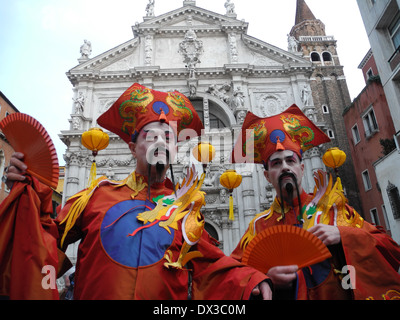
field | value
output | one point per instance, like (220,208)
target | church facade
(226,72)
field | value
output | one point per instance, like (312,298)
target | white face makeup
(154,144)
(284,163)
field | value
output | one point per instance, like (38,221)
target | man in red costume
(122,255)
(365,261)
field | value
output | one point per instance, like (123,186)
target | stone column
(247,196)
(226,231)
(71,185)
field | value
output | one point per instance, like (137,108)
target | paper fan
(27,135)
(284,245)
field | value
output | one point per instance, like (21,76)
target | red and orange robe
(369,258)
(113,265)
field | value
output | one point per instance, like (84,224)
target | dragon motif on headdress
(140,99)
(297,131)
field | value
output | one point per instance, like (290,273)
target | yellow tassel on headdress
(231,214)
(92,174)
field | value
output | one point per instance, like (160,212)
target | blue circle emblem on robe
(146,247)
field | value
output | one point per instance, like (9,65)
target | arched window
(217,118)
(211,231)
(326,56)
(315,57)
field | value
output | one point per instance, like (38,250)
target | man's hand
(329,235)
(16,170)
(264,289)
(283,276)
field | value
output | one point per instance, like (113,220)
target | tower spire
(306,24)
(303,12)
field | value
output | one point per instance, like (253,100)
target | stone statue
(150,8)
(79,104)
(230,7)
(306,95)
(293,44)
(238,98)
(86,49)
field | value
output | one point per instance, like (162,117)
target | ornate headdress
(290,130)
(139,106)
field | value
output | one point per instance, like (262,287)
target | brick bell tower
(329,89)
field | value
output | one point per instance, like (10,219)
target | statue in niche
(86,49)
(150,8)
(306,95)
(238,98)
(230,7)
(79,104)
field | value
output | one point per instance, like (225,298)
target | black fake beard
(160,167)
(289,190)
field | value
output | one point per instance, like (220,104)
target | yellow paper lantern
(95,140)
(230,179)
(334,158)
(204,152)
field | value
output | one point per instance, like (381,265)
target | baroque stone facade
(226,72)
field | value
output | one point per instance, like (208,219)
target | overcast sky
(40,42)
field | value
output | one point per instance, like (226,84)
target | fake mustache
(287,175)
(154,157)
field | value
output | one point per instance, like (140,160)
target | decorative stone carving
(240,116)
(220,92)
(269,104)
(148,50)
(191,49)
(233,47)
(210,178)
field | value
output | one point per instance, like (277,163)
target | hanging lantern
(335,158)
(230,179)
(95,140)
(204,152)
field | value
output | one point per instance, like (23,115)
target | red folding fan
(284,245)
(27,135)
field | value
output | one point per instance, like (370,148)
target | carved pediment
(179,20)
